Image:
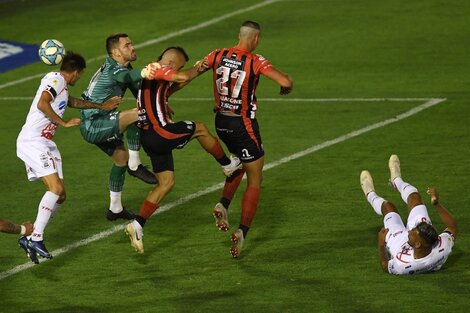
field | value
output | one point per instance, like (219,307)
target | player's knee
(201,129)
(388,207)
(414,199)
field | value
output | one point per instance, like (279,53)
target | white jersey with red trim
(403,262)
(37,124)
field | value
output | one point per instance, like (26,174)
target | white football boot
(394,165)
(234,165)
(221,217)
(135,233)
(367,184)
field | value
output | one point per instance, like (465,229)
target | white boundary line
(163,38)
(429,103)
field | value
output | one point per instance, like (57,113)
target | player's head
(423,235)
(120,48)
(174,57)
(250,34)
(73,65)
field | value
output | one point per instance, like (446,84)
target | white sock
(54,210)
(134,160)
(45,209)
(115,204)
(404,188)
(375,201)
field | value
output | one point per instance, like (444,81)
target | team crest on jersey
(54,82)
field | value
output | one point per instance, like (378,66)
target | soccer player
(8,227)
(416,248)
(37,150)
(105,128)
(160,135)
(236,73)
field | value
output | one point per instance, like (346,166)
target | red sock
(231,184)
(147,209)
(249,206)
(217,151)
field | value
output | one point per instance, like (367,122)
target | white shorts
(397,232)
(40,157)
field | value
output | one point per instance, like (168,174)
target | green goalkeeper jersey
(111,79)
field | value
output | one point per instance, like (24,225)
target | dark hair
(72,62)
(427,232)
(251,24)
(113,40)
(181,50)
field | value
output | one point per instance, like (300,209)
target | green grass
(312,247)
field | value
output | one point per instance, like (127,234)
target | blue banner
(15,54)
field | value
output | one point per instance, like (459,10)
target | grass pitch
(312,247)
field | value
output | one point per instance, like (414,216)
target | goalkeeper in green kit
(105,128)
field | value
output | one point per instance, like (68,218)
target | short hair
(179,49)
(427,232)
(251,24)
(113,40)
(72,61)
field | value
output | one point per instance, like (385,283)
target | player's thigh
(54,183)
(254,172)
(396,231)
(127,118)
(241,136)
(417,215)
(41,158)
(101,128)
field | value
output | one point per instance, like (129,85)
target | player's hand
(111,103)
(382,235)
(201,65)
(434,195)
(29,228)
(150,71)
(286,90)
(72,122)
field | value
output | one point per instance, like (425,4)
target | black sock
(140,220)
(225,202)
(224,160)
(245,229)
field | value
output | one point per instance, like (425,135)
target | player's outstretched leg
(408,192)
(23,242)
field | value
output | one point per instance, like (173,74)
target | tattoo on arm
(81,104)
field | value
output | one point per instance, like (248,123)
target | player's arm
(283,80)
(383,255)
(132,76)
(184,77)
(108,105)
(8,227)
(44,105)
(446,217)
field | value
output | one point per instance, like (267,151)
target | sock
(404,188)
(230,187)
(376,202)
(146,211)
(134,160)
(54,210)
(44,213)
(115,204)
(116,178)
(244,229)
(249,206)
(218,153)
(133,142)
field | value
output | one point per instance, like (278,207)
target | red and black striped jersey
(236,74)
(152,100)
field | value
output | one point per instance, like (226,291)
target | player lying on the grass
(236,73)
(160,135)
(40,154)
(8,227)
(416,248)
(105,128)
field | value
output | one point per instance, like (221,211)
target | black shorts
(241,136)
(159,145)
